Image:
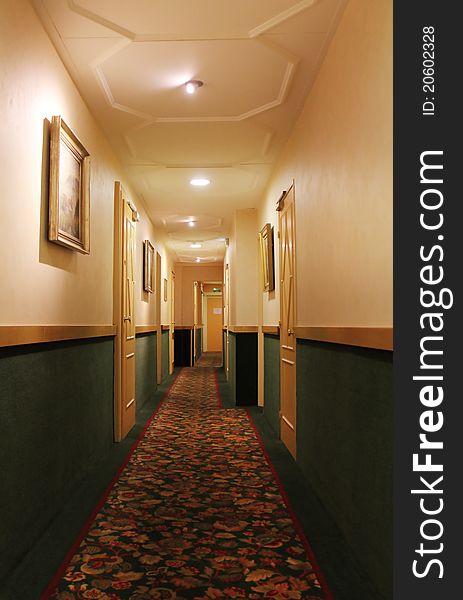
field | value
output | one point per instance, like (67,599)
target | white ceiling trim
(88,14)
(280,18)
(253,33)
(200,165)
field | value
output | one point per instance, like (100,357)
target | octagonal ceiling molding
(78,6)
(130,38)
(212,248)
(205,258)
(287,75)
(192,143)
(207,239)
(225,181)
(177,225)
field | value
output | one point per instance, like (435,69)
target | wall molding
(165,327)
(243,328)
(146,329)
(271,329)
(18,335)
(380,338)
(190,327)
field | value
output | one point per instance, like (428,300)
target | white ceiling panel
(199,144)
(318,18)
(148,77)
(225,182)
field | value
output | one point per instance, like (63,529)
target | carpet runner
(209,359)
(195,513)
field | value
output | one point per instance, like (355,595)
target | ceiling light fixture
(198,259)
(196,245)
(191,223)
(200,181)
(192,85)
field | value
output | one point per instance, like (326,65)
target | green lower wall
(344,445)
(56,421)
(243,368)
(272,380)
(232,365)
(199,338)
(164,354)
(145,376)
(224,349)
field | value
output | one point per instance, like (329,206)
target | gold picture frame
(69,192)
(148,266)
(266,253)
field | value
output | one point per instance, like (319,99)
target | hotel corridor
(197,225)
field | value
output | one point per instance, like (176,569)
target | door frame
(158,269)
(172,323)
(195,318)
(226,317)
(205,296)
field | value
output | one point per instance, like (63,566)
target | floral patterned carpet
(210,359)
(195,513)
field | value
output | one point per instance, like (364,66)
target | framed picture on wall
(266,253)
(148,266)
(69,192)
(165,290)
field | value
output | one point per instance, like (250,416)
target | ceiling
(130,60)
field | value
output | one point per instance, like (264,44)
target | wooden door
(172,322)
(214,324)
(226,317)
(124,316)
(158,293)
(196,316)
(287,321)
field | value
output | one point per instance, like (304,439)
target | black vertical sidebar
(428,524)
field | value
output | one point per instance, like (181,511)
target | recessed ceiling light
(198,259)
(200,181)
(192,85)
(196,245)
(191,223)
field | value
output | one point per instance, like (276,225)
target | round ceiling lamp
(200,181)
(193,85)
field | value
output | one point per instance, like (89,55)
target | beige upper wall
(340,156)
(185,276)
(41,282)
(242,257)
(145,303)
